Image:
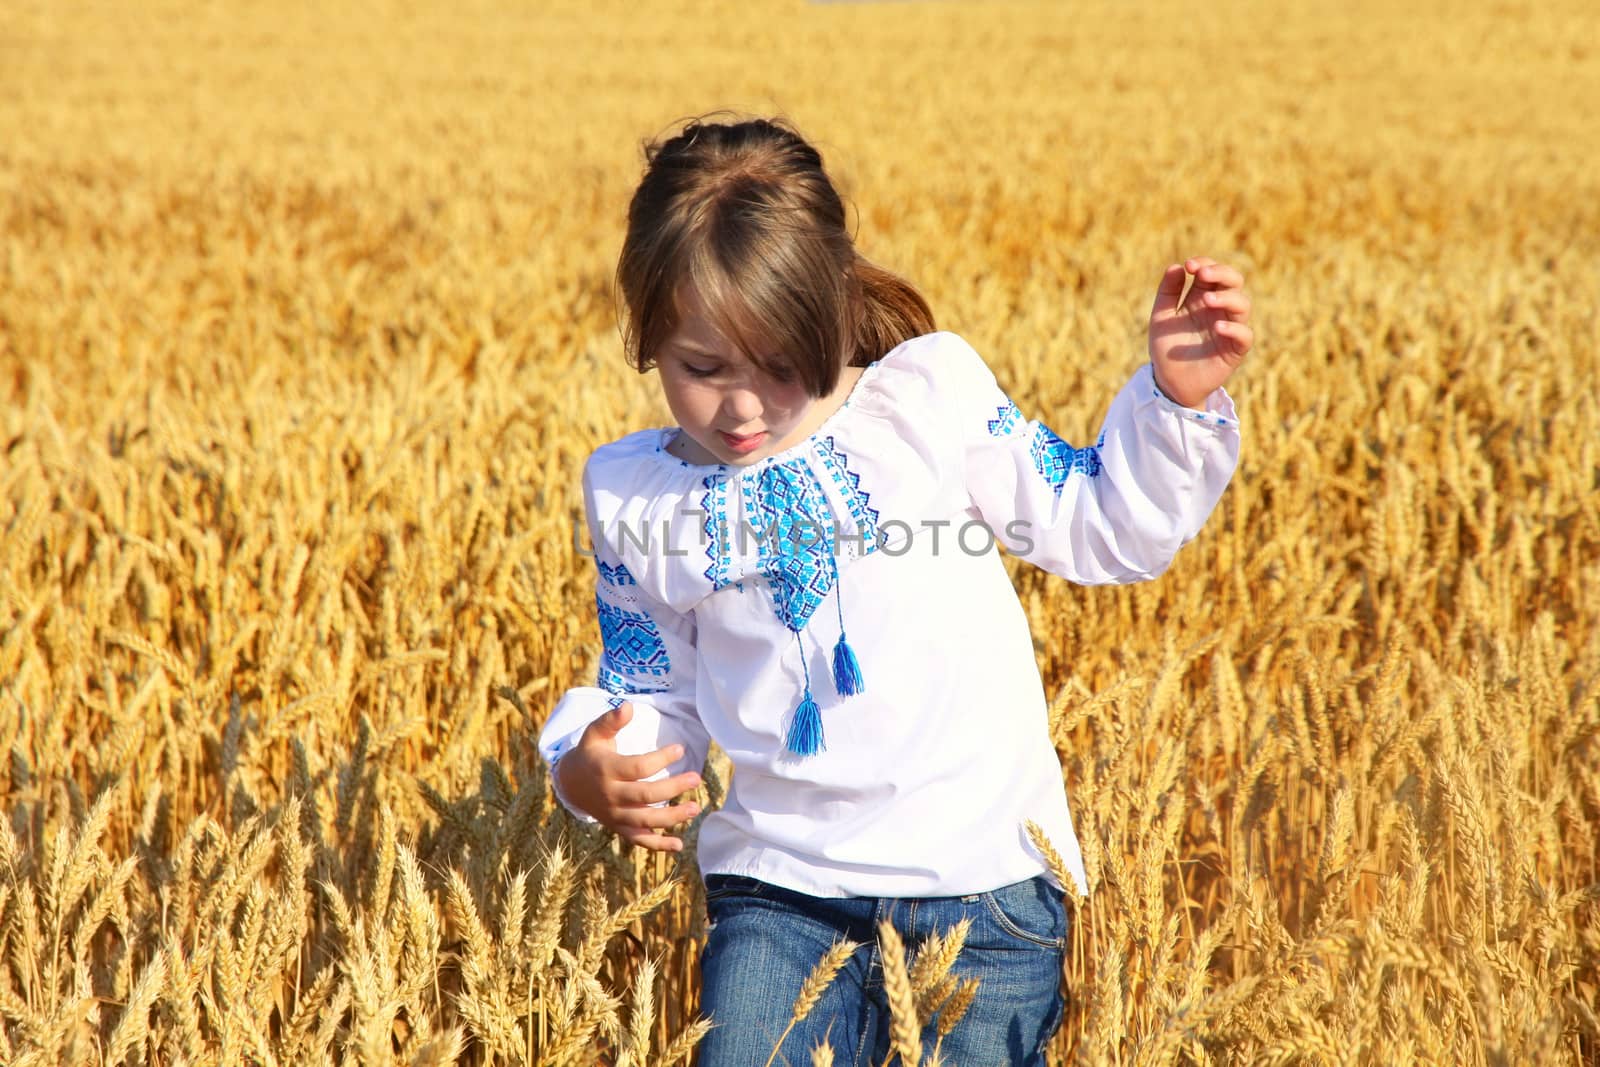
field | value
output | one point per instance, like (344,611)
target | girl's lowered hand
(1198,339)
(599,780)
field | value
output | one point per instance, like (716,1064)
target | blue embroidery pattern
(633,649)
(796,539)
(1006,419)
(617,575)
(787,516)
(612,682)
(848,483)
(1055,460)
(718,535)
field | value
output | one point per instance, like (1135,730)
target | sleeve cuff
(1219,409)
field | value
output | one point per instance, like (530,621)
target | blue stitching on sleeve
(633,649)
(1056,461)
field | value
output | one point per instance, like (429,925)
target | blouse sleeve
(647,659)
(1112,512)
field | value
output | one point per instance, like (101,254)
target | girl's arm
(1119,509)
(622,748)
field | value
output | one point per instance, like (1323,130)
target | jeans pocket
(1032,911)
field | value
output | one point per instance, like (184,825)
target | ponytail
(891,312)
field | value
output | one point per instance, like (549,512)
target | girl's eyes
(783,377)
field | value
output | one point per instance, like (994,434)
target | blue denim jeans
(765,940)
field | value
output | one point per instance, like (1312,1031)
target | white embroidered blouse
(726,595)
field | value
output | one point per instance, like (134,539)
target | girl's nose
(741,406)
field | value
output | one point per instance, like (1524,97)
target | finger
(1235,303)
(635,768)
(1213,275)
(1170,291)
(651,840)
(1195,264)
(607,726)
(655,792)
(655,818)
(1237,334)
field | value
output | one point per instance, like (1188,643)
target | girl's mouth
(747,443)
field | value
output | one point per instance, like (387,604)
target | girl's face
(733,412)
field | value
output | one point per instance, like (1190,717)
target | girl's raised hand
(596,778)
(1198,339)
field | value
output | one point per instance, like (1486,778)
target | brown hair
(745,211)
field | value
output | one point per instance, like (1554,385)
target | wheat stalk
(904,1026)
(813,987)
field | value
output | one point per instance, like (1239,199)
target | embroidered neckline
(665,434)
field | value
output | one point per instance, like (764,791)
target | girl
(804,571)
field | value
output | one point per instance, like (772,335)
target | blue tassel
(805,730)
(846,671)
(847,679)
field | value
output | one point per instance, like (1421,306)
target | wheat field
(306,331)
